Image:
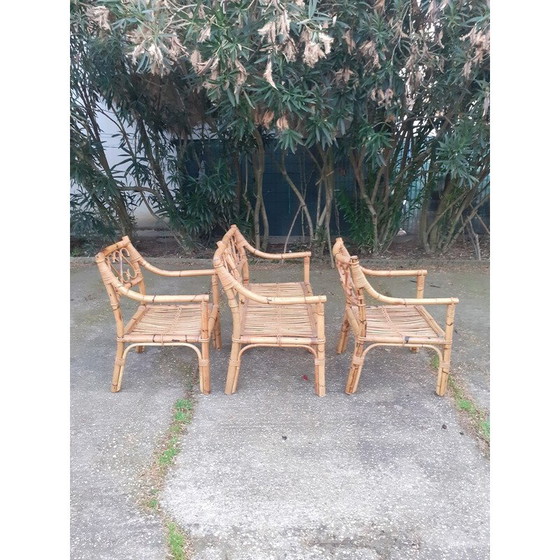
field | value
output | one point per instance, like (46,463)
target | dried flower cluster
(479,41)
(168,33)
(99,15)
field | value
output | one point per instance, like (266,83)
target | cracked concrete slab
(275,471)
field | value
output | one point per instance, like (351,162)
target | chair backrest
(119,266)
(354,294)
(354,278)
(234,254)
(230,264)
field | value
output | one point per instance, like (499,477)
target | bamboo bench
(401,322)
(160,320)
(280,314)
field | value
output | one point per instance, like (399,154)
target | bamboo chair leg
(217,333)
(355,368)
(320,384)
(204,368)
(233,369)
(118,369)
(443,371)
(343,339)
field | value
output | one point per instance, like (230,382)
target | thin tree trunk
(260,210)
(115,199)
(154,163)
(327,182)
(297,192)
(357,163)
(291,228)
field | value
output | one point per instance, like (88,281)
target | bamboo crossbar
(136,257)
(176,273)
(408,301)
(160,298)
(278,341)
(359,272)
(431,346)
(360,280)
(393,273)
(272,345)
(276,256)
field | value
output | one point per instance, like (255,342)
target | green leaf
(311,8)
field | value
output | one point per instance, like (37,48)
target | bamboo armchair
(283,314)
(401,322)
(160,320)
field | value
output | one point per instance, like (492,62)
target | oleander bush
(396,90)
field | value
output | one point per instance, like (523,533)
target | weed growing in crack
(477,417)
(178,544)
(176,541)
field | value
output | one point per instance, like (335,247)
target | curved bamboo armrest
(276,256)
(175,273)
(163,298)
(390,273)
(408,301)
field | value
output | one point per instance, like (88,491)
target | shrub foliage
(397,90)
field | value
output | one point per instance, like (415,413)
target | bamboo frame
(282,314)
(403,322)
(159,320)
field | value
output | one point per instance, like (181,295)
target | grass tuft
(176,541)
(478,418)
(181,417)
(154,477)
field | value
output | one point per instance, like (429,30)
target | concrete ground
(275,472)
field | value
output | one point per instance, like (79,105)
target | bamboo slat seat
(281,314)
(277,321)
(279,289)
(165,324)
(159,320)
(397,323)
(400,322)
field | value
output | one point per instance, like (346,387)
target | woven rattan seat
(269,314)
(159,320)
(400,322)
